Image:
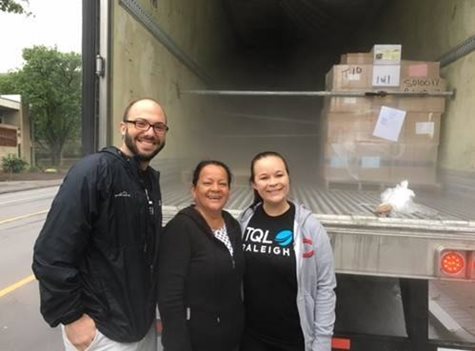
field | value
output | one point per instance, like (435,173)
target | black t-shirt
(270,281)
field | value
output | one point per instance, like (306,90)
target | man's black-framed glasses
(143,124)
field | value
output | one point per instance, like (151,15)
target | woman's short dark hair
(199,167)
(261,155)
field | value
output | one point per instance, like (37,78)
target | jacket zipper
(151,212)
(150,203)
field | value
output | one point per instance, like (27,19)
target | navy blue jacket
(200,285)
(97,251)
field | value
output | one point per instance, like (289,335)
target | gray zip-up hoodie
(315,277)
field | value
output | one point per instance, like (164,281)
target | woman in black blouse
(201,268)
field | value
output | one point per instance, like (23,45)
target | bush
(13,164)
(35,169)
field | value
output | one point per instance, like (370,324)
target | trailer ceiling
(271,23)
(291,44)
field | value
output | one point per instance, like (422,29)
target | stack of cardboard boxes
(383,139)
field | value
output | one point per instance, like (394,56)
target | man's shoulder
(105,156)
(93,164)
(155,172)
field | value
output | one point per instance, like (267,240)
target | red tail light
(456,263)
(471,271)
(341,344)
(452,262)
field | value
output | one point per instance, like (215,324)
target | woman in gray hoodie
(289,279)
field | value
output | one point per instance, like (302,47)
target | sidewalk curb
(8,187)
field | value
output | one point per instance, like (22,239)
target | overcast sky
(53,23)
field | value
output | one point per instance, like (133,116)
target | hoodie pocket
(306,307)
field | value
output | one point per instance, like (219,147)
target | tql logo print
(284,238)
(257,240)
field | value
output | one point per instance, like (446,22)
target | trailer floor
(434,205)
(452,303)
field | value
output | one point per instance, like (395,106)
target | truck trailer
(240,77)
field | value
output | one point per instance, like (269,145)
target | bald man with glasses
(95,257)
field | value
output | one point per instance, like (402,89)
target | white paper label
(349,100)
(389,123)
(386,75)
(354,76)
(425,128)
(386,53)
(370,162)
(338,162)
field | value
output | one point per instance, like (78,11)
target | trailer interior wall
(239,127)
(143,66)
(427,30)
(237,55)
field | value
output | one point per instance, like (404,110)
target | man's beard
(130,143)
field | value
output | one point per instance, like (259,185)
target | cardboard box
(349,77)
(363,161)
(373,103)
(411,76)
(374,160)
(421,128)
(409,68)
(386,76)
(416,162)
(421,104)
(344,127)
(420,69)
(414,154)
(352,154)
(357,58)
(362,77)
(416,175)
(359,104)
(351,127)
(386,54)
(423,85)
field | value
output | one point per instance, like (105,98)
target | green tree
(50,83)
(13,6)
(8,83)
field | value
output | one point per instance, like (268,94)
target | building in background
(15,129)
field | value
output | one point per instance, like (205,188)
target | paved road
(21,327)
(23,208)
